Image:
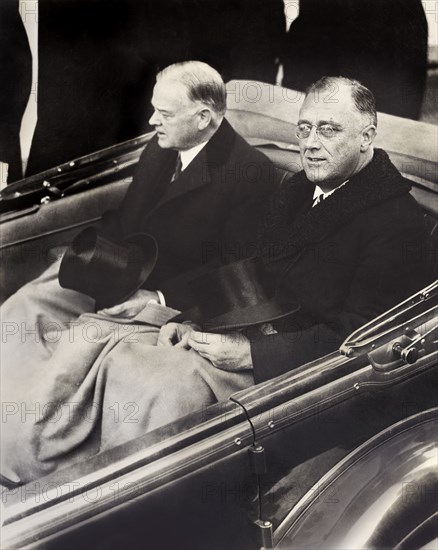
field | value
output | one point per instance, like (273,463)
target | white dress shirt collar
(188,155)
(320,195)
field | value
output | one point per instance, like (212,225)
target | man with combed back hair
(214,205)
(199,189)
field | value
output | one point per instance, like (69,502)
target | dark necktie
(178,169)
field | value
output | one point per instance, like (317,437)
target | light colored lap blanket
(98,383)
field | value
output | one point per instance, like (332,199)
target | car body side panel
(207,508)
(201,485)
(305,436)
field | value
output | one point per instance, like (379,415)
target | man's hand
(176,335)
(132,306)
(226,351)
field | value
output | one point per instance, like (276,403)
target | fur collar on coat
(291,224)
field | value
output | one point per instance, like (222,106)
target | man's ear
(205,117)
(368,135)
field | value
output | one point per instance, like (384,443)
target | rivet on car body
(271,424)
(238,441)
(59,169)
(72,163)
(356,386)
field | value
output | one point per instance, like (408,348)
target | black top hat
(107,271)
(233,297)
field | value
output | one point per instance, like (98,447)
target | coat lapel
(156,170)
(205,167)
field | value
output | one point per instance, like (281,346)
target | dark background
(98,60)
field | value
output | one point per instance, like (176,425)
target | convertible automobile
(338,453)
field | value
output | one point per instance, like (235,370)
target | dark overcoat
(209,214)
(345,261)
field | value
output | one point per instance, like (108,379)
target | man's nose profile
(154,120)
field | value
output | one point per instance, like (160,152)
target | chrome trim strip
(63,229)
(362,336)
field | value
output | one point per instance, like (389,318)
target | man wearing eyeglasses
(343,238)
(335,141)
